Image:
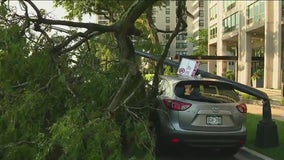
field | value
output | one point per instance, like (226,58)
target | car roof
(177,78)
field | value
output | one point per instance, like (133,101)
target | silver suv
(199,112)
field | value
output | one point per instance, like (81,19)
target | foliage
(51,109)
(282,102)
(76,9)
(257,74)
(149,77)
(247,96)
(230,75)
(54,107)
(200,41)
(77,94)
(170,71)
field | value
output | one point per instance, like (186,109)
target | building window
(167,10)
(154,10)
(154,19)
(213,31)
(167,19)
(181,52)
(228,5)
(258,52)
(167,36)
(231,23)
(201,13)
(168,3)
(102,22)
(201,22)
(180,45)
(181,36)
(167,27)
(213,12)
(201,3)
(255,12)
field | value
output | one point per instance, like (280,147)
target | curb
(251,154)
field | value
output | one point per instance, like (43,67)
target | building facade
(253,31)
(165,19)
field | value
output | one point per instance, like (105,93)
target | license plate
(213,120)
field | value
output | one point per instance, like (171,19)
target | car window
(207,91)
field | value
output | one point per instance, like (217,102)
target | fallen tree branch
(118,96)
(10,145)
(131,95)
(47,85)
(181,25)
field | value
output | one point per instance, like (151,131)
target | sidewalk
(274,95)
(277,110)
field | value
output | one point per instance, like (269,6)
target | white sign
(188,67)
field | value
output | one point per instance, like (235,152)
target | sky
(54,12)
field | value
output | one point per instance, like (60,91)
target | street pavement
(209,154)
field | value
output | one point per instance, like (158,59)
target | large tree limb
(125,28)
(92,29)
(118,96)
(181,26)
(89,26)
(70,39)
(77,44)
(122,29)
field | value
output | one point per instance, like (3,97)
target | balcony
(249,21)
(231,6)
(230,29)
(255,20)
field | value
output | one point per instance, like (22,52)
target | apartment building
(252,31)
(165,19)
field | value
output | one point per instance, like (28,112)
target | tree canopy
(77,93)
(200,42)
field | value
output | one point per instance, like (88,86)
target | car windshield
(206,91)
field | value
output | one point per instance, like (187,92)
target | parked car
(199,112)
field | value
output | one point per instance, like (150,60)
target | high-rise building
(253,32)
(165,19)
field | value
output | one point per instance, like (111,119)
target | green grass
(282,102)
(276,153)
(247,96)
